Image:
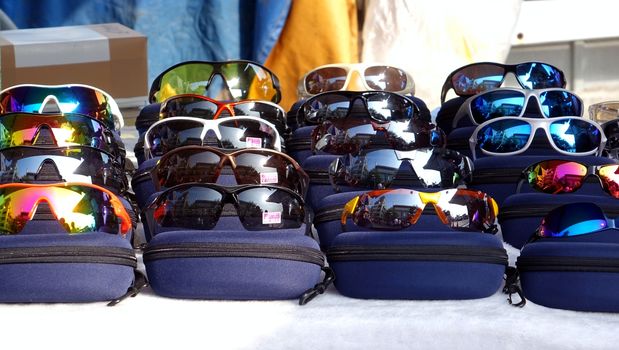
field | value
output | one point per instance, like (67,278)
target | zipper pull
(139,282)
(512,285)
(319,288)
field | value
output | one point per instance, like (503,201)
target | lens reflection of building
(507,141)
(460,220)
(567,181)
(508,109)
(378,174)
(396,215)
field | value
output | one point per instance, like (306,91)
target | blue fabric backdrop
(177,30)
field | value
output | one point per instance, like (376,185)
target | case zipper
(68,254)
(413,253)
(497,176)
(564,263)
(541,209)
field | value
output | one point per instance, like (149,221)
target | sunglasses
(78,207)
(198,106)
(509,102)
(604,111)
(228,133)
(67,164)
(351,135)
(479,77)
(380,106)
(397,209)
(563,176)
(379,169)
(510,136)
(32,129)
(70,98)
(355,76)
(244,80)
(250,166)
(199,206)
(573,219)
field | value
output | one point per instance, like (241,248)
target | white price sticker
(274,217)
(253,142)
(268,178)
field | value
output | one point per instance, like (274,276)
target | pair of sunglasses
(563,176)
(379,169)
(61,130)
(228,133)
(573,219)
(397,209)
(353,76)
(249,166)
(380,106)
(197,106)
(199,206)
(70,98)
(346,136)
(510,135)
(478,77)
(509,102)
(244,80)
(78,207)
(63,164)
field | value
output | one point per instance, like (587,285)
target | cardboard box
(109,56)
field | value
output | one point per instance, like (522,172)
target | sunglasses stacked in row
(533,152)
(66,222)
(223,208)
(374,163)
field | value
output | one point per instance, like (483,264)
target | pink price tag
(268,178)
(274,217)
(253,142)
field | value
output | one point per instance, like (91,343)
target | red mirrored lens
(556,176)
(610,179)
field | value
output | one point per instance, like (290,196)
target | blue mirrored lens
(573,220)
(560,104)
(497,104)
(575,135)
(539,76)
(504,136)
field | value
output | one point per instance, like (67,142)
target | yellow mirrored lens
(191,78)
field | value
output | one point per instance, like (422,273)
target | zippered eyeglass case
(417,265)
(574,273)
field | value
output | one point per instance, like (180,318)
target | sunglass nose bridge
(221,90)
(48,171)
(355,82)
(532,108)
(44,136)
(50,104)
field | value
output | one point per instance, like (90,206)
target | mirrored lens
(560,103)
(467,210)
(186,165)
(174,133)
(190,207)
(575,135)
(78,208)
(495,104)
(610,179)
(556,176)
(388,210)
(387,107)
(266,208)
(268,168)
(535,75)
(477,78)
(239,133)
(385,78)
(438,167)
(325,79)
(504,136)
(249,81)
(573,220)
(190,78)
(604,111)
(189,106)
(326,107)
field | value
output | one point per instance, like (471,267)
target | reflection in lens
(385,78)
(497,104)
(533,75)
(467,210)
(174,133)
(572,220)
(192,207)
(249,81)
(268,208)
(391,210)
(325,79)
(189,106)
(504,136)
(556,176)
(243,133)
(376,169)
(610,179)
(190,78)
(328,106)
(387,107)
(575,135)
(187,166)
(477,78)
(559,104)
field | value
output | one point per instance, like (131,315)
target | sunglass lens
(495,104)
(267,208)
(575,135)
(249,81)
(325,79)
(376,169)
(560,103)
(392,210)
(239,133)
(610,179)
(189,106)
(174,133)
(573,220)
(385,78)
(556,176)
(504,136)
(477,78)
(536,75)
(467,210)
(22,99)
(267,168)
(187,165)
(191,78)
(384,107)
(325,107)
(191,207)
